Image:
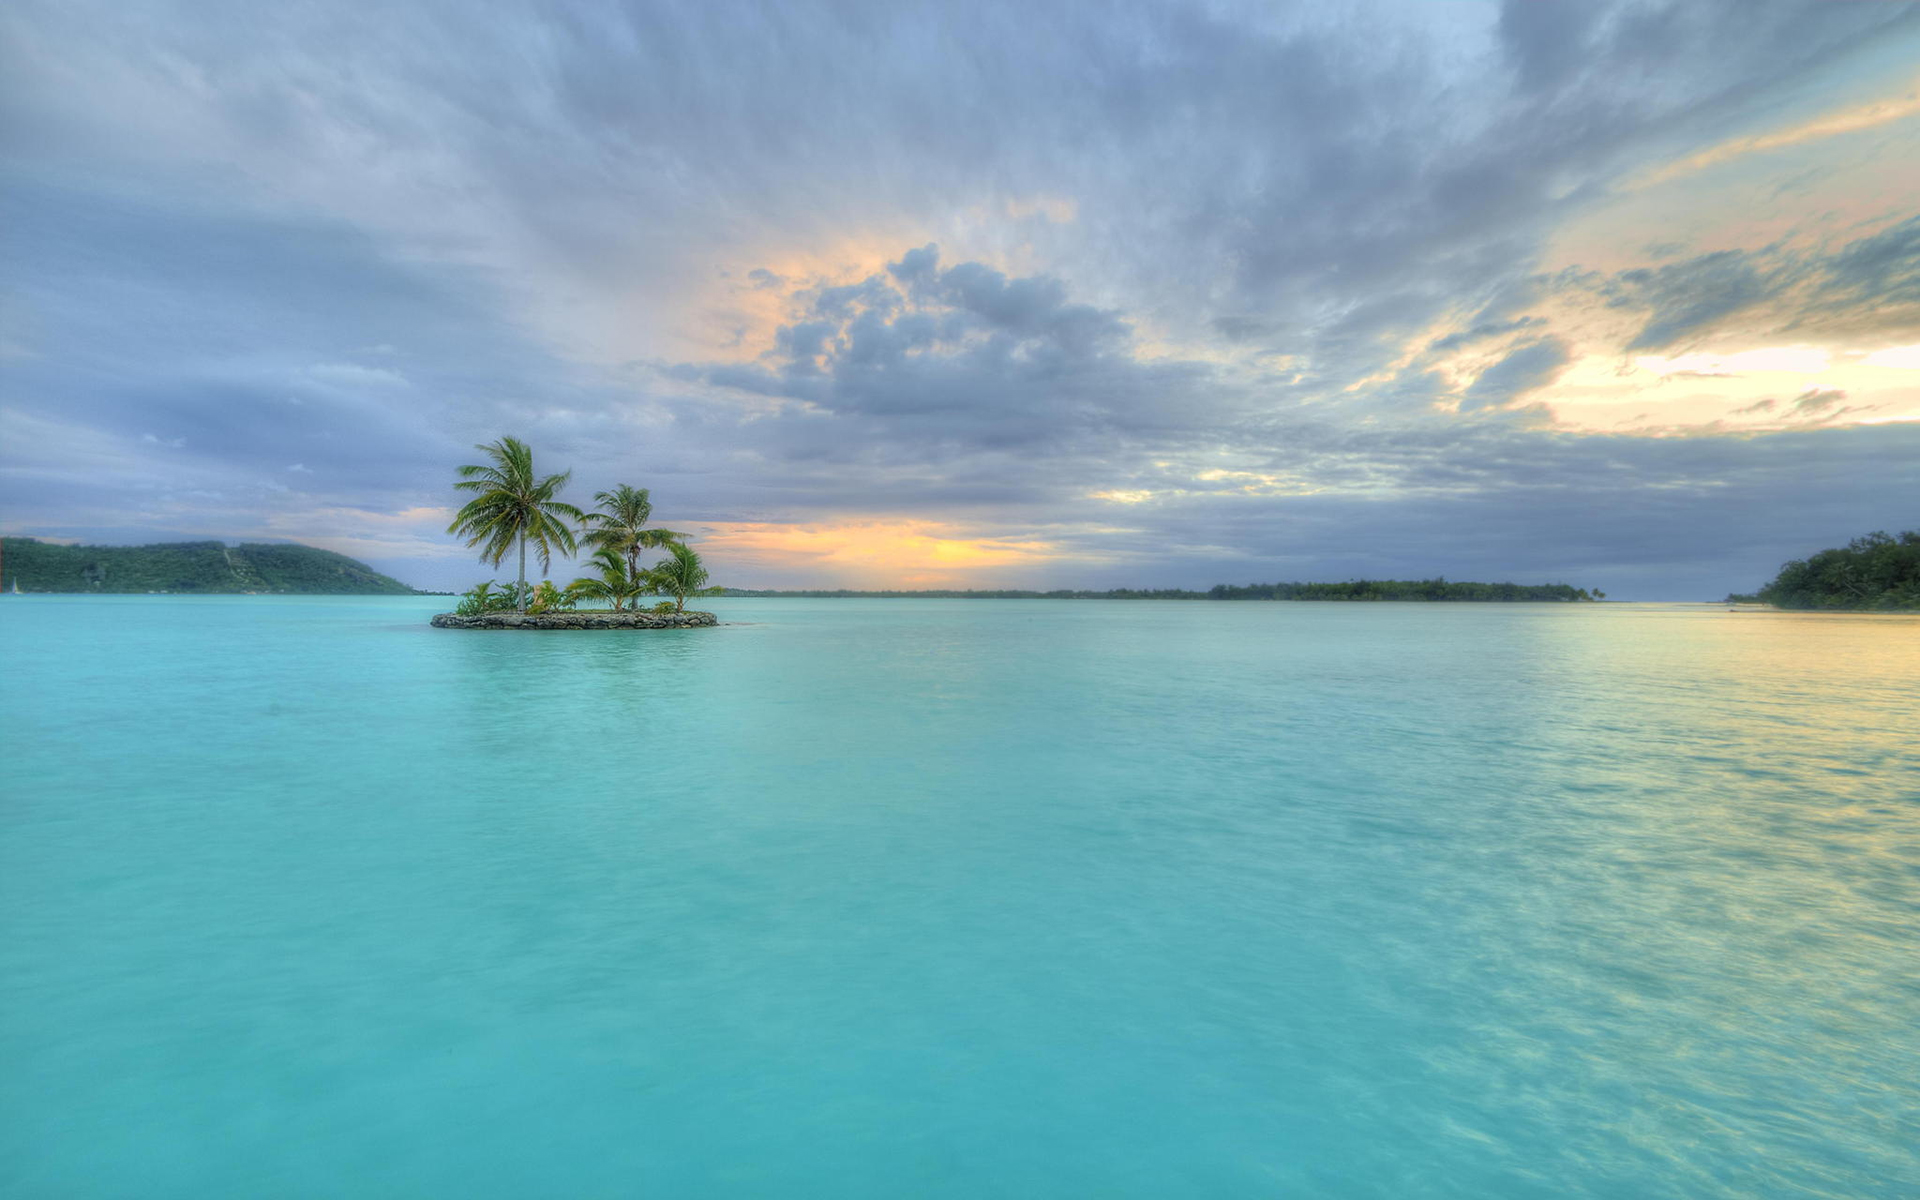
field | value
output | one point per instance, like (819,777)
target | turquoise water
(302,898)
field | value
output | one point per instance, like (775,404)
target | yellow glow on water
(1833,696)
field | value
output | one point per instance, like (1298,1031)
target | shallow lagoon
(959,898)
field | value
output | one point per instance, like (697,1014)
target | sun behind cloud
(878,553)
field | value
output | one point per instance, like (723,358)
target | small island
(588,619)
(513,507)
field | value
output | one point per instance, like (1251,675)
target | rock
(576,620)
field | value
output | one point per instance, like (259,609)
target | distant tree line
(1406,589)
(1353,589)
(1880,571)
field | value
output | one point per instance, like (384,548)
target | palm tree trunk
(520,593)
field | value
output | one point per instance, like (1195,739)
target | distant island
(1434,590)
(1876,573)
(204,568)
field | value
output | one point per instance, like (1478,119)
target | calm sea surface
(302,898)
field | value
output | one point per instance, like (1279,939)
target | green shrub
(548,598)
(484,599)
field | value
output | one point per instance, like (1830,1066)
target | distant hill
(205,567)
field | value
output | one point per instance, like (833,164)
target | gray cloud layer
(278,270)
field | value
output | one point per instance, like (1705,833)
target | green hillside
(209,567)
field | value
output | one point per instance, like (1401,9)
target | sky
(973,294)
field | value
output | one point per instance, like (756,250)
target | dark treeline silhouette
(1353,589)
(1405,589)
(1878,571)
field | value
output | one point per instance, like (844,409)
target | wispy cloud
(1155,293)
(1901,106)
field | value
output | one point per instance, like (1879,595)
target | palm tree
(681,574)
(611,582)
(620,525)
(514,507)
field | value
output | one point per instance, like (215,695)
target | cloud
(1482,332)
(348,375)
(1881,272)
(1815,399)
(933,361)
(1687,297)
(1902,357)
(1531,365)
(1155,291)
(1900,106)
